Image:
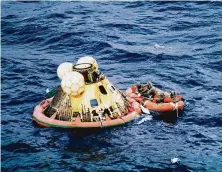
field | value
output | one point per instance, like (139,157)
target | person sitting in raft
(152,93)
(148,90)
(139,88)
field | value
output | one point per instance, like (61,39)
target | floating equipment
(155,99)
(85,99)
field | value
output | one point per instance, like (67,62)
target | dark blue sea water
(175,45)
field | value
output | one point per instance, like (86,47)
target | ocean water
(177,46)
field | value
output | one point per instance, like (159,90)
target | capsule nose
(88,59)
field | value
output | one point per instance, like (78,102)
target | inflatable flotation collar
(44,121)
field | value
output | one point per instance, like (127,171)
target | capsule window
(102,89)
(93,103)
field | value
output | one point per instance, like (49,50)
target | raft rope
(175,108)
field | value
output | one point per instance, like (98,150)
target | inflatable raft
(85,99)
(155,99)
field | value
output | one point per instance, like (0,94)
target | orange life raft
(41,119)
(167,104)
